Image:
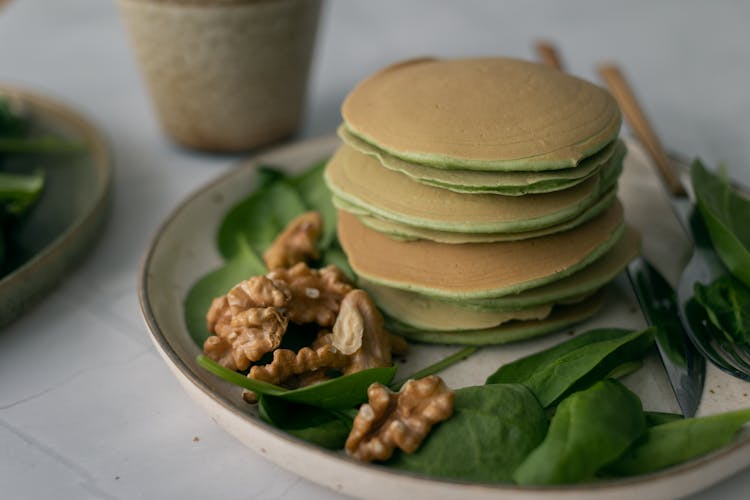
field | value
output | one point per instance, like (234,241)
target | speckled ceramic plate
(66,220)
(184,249)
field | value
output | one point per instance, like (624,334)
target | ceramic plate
(184,249)
(64,224)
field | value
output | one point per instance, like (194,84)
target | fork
(704,266)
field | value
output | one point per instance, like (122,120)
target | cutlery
(684,367)
(704,265)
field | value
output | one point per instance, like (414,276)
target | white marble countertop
(87,408)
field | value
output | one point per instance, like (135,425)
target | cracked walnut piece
(246,322)
(398,420)
(307,363)
(316,295)
(297,243)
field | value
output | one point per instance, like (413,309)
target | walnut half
(297,243)
(398,420)
(246,323)
(316,294)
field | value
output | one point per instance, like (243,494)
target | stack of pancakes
(477,197)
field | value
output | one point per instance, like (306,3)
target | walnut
(359,331)
(305,363)
(219,316)
(258,291)
(398,420)
(297,243)
(220,351)
(252,333)
(246,322)
(316,295)
(399,345)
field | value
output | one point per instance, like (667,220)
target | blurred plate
(184,249)
(57,233)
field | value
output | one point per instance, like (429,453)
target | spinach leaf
(316,195)
(726,215)
(590,429)
(19,191)
(678,441)
(576,363)
(236,378)
(343,392)
(492,430)
(625,369)
(241,266)
(654,418)
(314,425)
(259,218)
(727,304)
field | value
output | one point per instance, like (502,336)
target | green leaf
(239,379)
(314,425)
(589,430)
(19,191)
(654,418)
(218,282)
(259,218)
(678,441)
(492,430)
(625,369)
(40,145)
(343,392)
(576,363)
(726,215)
(316,195)
(727,304)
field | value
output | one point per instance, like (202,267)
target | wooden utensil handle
(615,81)
(548,54)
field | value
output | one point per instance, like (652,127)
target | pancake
(571,288)
(497,114)
(583,283)
(425,314)
(408,233)
(362,181)
(476,270)
(505,183)
(561,317)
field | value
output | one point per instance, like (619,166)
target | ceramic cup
(224,75)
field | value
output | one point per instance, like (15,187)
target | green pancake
(361,180)
(408,233)
(561,317)
(569,289)
(425,314)
(505,183)
(497,114)
(477,270)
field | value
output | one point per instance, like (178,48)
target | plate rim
(166,350)
(100,151)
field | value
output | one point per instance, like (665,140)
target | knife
(683,364)
(685,369)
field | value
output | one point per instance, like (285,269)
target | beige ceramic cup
(224,75)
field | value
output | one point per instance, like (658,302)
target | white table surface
(87,408)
